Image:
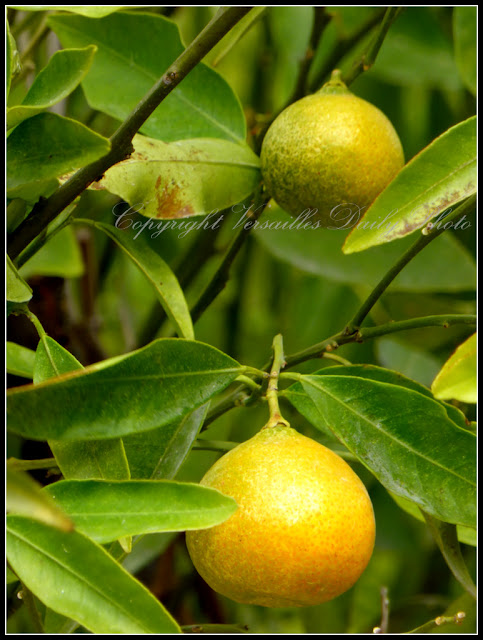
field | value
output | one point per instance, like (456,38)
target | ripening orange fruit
(328,150)
(304,529)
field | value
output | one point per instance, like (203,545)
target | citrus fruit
(304,529)
(331,153)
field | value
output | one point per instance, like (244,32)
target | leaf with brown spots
(440,176)
(184,178)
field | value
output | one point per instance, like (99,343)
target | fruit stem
(272,389)
(334,86)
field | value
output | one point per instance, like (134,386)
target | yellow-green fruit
(304,529)
(327,150)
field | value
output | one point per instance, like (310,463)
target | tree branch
(47,209)
(369,56)
(428,234)
(219,280)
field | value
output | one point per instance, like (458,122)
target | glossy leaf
(17,289)
(298,398)
(145,389)
(106,511)
(78,459)
(25,497)
(465,44)
(48,145)
(53,83)
(203,105)
(158,273)
(185,178)
(443,174)
(466,535)
(160,453)
(20,360)
(457,378)
(405,438)
(444,265)
(77,578)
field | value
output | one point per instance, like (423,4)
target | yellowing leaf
(457,378)
(184,178)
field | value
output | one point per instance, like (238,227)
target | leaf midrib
(153,78)
(391,436)
(80,578)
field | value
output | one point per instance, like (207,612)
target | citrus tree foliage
(149,272)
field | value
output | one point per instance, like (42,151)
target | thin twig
(321,20)
(428,234)
(29,600)
(241,397)
(121,146)
(368,333)
(30,465)
(343,46)
(40,33)
(439,622)
(384,624)
(220,278)
(214,445)
(369,56)
(186,271)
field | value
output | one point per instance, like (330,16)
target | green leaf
(143,390)
(51,360)
(25,497)
(48,145)
(290,29)
(54,82)
(12,62)
(405,439)
(465,47)
(298,397)
(105,511)
(99,459)
(415,38)
(158,273)
(466,535)
(443,174)
(60,256)
(444,265)
(20,360)
(90,12)
(236,33)
(185,178)
(203,105)
(78,459)
(161,452)
(447,540)
(17,289)
(77,578)
(457,378)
